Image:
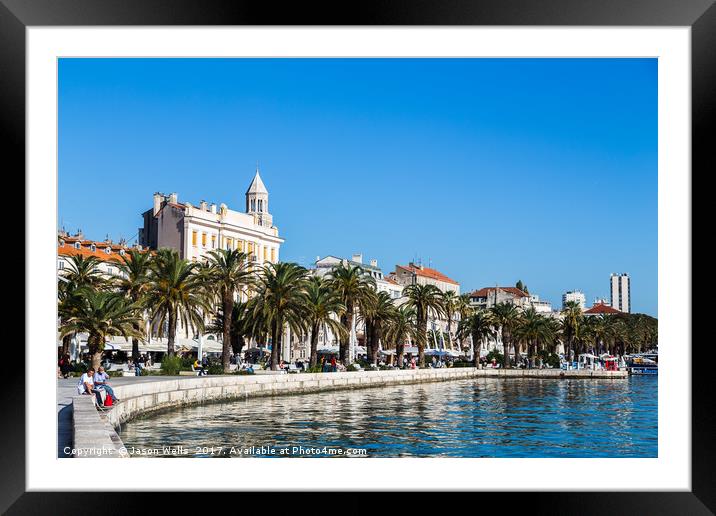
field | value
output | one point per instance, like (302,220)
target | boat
(646,364)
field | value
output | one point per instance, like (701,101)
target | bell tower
(257,201)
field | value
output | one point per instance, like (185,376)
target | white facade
(196,230)
(576,296)
(620,292)
(542,307)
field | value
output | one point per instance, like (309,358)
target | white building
(620,292)
(576,296)
(543,307)
(196,230)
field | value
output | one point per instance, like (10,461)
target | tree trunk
(422,339)
(171,334)
(135,349)
(66,344)
(369,338)
(475,350)
(505,349)
(226,344)
(95,349)
(275,346)
(314,345)
(399,352)
(345,340)
(373,357)
(237,342)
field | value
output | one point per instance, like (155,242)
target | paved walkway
(66,389)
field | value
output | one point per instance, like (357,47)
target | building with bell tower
(257,198)
(196,229)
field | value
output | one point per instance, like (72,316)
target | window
(61,264)
(93,248)
(121,252)
(273,255)
(108,250)
(240,245)
(78,245)
(193,238)
(265,253)
(203,239)
(213,241)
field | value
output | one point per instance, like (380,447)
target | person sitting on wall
(86,386)
(199,367)
(100,382)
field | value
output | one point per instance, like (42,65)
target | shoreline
(95,433)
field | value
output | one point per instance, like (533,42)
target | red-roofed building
(413,274)
(601,309)
(106,252)
(490,296)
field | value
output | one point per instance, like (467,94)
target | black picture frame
(700,15)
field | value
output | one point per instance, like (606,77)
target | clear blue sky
(493,170)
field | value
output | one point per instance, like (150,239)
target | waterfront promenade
(140,395)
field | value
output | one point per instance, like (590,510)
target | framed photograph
(437,247)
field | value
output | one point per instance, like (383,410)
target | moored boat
(643,364)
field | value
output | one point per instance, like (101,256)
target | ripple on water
(468,418)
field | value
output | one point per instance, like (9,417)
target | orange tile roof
(69,249)
(427,272)
(601,308)
(484,292)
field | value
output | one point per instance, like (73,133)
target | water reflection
(471,418)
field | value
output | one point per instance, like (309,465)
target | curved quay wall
(93,431)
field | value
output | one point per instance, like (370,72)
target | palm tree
(81,273)
(134,282)
(534,330)
(479,325)
(322,304)
(451,302)
(401,329)
(599,329)
(281,288)
(227,274)
(102,314)
(378,311)
(424,298)
(240,325)
(506,317)
(175,293)
(571,322)
(464,309)
(84,272)
(354,288)
(66,297)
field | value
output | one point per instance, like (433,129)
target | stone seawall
(94,435)
(145,397)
